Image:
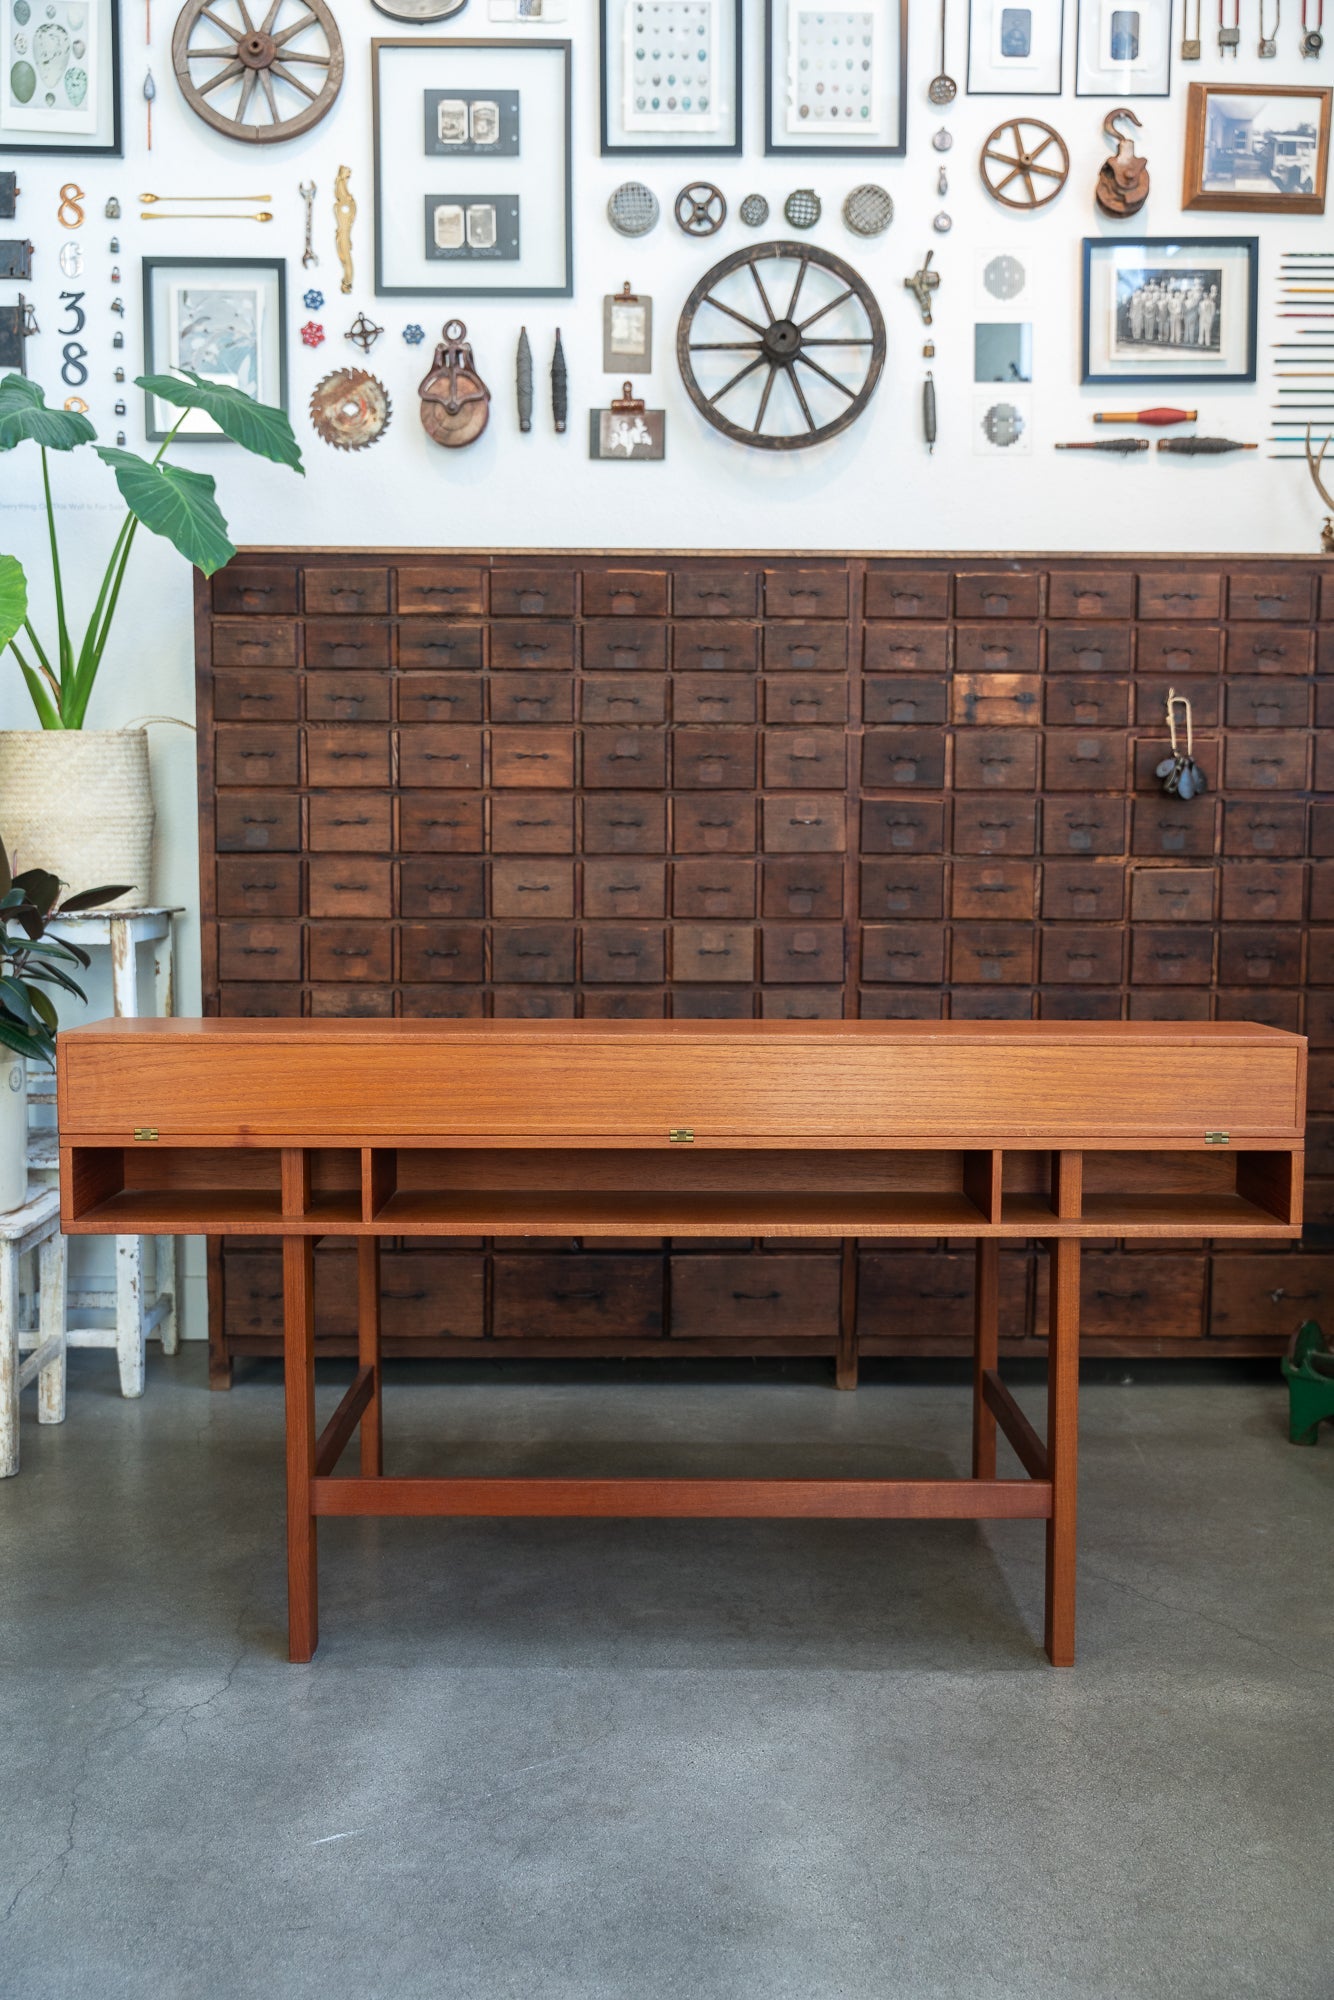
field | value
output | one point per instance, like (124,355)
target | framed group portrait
(1169,309)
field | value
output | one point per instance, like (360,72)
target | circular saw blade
(350,409)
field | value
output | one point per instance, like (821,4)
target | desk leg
(368,1352)
(845,1366)
(986,1350)
(299,1395)
(1062,1447)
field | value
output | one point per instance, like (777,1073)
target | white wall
(875,487)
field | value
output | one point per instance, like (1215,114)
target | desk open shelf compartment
(209,1190)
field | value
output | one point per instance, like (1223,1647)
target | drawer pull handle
(623,888)
(577,1294)
(715,951)
(442,589)
(430,822)
(990,957)
(1131,1298)
(530,645)
(994,889)
(997,760)
(809,819)
(532,756)
(803,951)
(905,954)
(442,951)
(1268,763)
(625,951)
(259,819)
(438,646)
(347,756)
(523,822)
(347,887)
(759,1297)
(260,951)
(533,888)
(350,951)
(442,888)
(1080,957)
(336,698)
(1167,957)
(1298,1298)
(262,754)
(1267,955)
(256,590)
(257,697)
(623,591)
(623,701)
(526,951)
(448,699)
(259,885)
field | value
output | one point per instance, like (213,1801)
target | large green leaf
(257,426)
(23,414)
(173,502)
(13,598)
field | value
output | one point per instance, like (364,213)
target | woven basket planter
(80,803)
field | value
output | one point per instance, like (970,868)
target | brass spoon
(207,215)
(205,197)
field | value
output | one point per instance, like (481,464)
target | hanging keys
(1229,35)
(1190,43)
(1312,40)
(1269,43)
(1179,774)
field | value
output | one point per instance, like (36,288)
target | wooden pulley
(1123,181)
(455,401)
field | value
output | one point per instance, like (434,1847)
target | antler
(1313,465)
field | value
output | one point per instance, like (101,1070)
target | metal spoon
(942,89)
(207,215)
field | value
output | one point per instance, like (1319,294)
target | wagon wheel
(779,344)
(259,81)
(1014,152)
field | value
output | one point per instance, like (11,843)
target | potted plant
(30,962)
(74,801)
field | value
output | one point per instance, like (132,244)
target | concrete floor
(636,1761)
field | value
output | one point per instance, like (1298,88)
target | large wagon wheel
(262,81)
(776,348)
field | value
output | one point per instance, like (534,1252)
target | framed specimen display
(1167,309)
(60,76)
(1254,148)
(1015,47)
(835,78)
(472,168)
(671,76)
(1123,48)
(226,318)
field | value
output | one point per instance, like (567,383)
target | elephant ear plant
(30,961)
(168,500)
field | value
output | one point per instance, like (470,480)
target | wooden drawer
(1262,892)
(1258,1296)
(1085,760)
(1287,593)
(625,888)
(802,1003)
(1083,890)
(898,594)
(430,824)
(623,954)
(1171,651)
(1271,956)
(255,886)
(704,593)
(1271,826)
(806,759)
(1164,826)
(625,593)
(806,593)
(897,826)
(346,592)
(347,756)
(1172,895)
(442,1003)
(816,824)
(532,592)
(532,954)
(442,757)
(997,649)
(532,697)
(351,822)
(907,649)
(1084,826)
(262,951)
(350,886)
(1169,1003)
(895,758)
(715,649)
(1088,704)
(352,642)
(432,1295)
(994,826)
(1272,1009)
(1105,593)
(623,823)
(624,698)
(713,759)
(920,1294)
(442,590)
(996,594)
(903,954)
(998,701)
(802,954)
(540,888)
(624,646)
(1268,704)
(1088,649)
(993,889)
(753,1297)
(1270,649)
(350,951)
(714,698)
(1322,893)
(253,1290)
(806,649)
(253,694)
(712,1003)
(623,1004)
(1171,957)
(1206,704)
(1180,595)
(1001,760)
(537,823)
(254,642)
(457,647)
(991,1003)
(713,889)
(577,1297)
(803,699)
(1135,1297)
(442,888)
(906,699)
(902,888)
(1320,1033)
(239,1002)
(984,953)
(713,952)
(347,698)
(531,1003)
(254,587)
(247,756)
(810,886)
(547,646)
(1071,956)
(1271,762)
(899,1003)
(1079,1003)
(532,759)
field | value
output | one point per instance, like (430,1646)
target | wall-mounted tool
(1198,447)
(560,386)
(307,192)
(701,209)
(923,282)
(754,211)
(523,380)
(1123,181)
(1313,39)
(16,257)
(205,215)
(1123,445)
(1158,416)
(455,401)
(1269,43)
(868,209)
(929,411)
(632,209)
(1179,774)
(150,92)
(345,214)
(363,333)
(350,409)
(942,89)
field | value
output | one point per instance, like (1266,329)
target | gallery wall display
(225,317)
(1123,48)
(1257,149)
(836,78)
(671,76)
(1015,48)
(472,168)
(1165,309)
(60,76)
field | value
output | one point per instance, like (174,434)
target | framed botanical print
(60,76)
(671,76)
(1256,148)
(835,78)
(1123,48)
(225,317)
(472,169)
(1169,309)
(1015,47)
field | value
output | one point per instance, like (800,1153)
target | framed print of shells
(835,77)
(59,76)
(671,76)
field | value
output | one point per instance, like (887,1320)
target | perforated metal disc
(754,211)
(803,208)
(633,209)
(868,209)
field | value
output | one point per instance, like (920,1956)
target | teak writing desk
(854,1129)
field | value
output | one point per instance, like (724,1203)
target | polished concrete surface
(636,1761)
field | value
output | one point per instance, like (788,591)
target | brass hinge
(681,1135)
(145,1131)
(1215,1138)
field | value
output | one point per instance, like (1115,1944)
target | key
(1228,41)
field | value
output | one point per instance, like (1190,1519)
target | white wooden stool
(33,1228)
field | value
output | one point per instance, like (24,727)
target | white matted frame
(1123,48)
(835,79)
(225,317)
(671,76)
(1015,48)
(1169,309)
(65,97)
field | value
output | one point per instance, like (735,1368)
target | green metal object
(1309,1371)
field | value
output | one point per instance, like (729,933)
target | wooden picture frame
(1283,166)
(784,25)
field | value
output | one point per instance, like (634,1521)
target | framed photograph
(671,76)
(226,318)
(472,168)
(836,78)
(1162,309)
(627,333)
(1015,47)
(1123,48)
(60,76)
(1257,149)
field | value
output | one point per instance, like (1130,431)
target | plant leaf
(13,598)
(44,1007)
(16,1002)
(175,503)
(88,899)
(6,878)
(23,414)
(38,1048)
(40,887)
(258,426)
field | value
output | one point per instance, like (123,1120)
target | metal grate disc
(633,209)
(754,211)
(802,208)
(868,209)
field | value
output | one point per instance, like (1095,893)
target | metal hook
(1175,701)
(1122,139)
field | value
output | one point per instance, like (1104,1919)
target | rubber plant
(168,500)
(30,961)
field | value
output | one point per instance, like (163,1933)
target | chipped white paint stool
(32,1229)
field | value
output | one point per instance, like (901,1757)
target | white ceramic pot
(13,1131)
(80,803)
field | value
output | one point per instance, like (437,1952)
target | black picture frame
(691,142)
(152,366)
(116,150)
(1012,89)
(1183,240)
(514,47)
(837,150)
(1118,89)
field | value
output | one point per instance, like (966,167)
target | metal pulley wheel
(350,409)
(701,209)
(1021,152)
(261,84)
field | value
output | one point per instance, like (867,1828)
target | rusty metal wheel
(259,81)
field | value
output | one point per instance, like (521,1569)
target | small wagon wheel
(258,81)
(1015,153)
(779,343)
